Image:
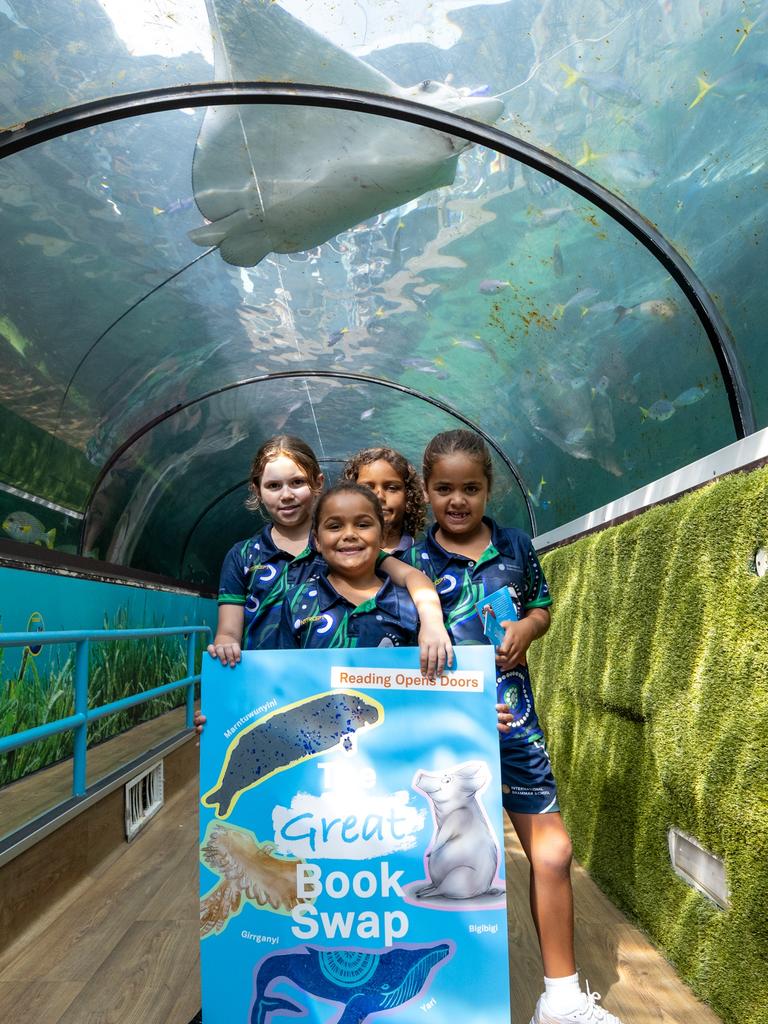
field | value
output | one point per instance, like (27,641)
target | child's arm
(229,634)
(518,637)
(435,647)
(225,646)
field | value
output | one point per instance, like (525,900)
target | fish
(247,870)
(535,496)
(557,261)
(581,450)
(652,309)
(626,166)
(746,28)
(423,365)
(578,299)
(368,413)
(26,528)
(473,346)
(365,984)
(601,387)
(747,77)
(661,410)
(549,215)
(602,307)
(611,87)
(491,286)
(324,170)
(690,396)
(335,338)
(176,206)
(287,737)
(13,335)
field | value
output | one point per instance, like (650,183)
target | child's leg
(548,849)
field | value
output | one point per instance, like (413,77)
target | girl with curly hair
(398,487)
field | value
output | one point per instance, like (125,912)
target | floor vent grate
(143,799)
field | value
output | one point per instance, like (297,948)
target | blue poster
(351,840)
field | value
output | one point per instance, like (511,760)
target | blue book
(501,606)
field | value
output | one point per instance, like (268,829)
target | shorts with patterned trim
(527,783)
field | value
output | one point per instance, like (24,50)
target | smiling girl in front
(349,604)
(259,572)
(470,557)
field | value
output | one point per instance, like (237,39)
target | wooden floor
(635,981)
(122,946)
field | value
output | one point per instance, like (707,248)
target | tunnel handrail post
(80,753)
(191,650)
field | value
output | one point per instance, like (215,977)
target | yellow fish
(704,87)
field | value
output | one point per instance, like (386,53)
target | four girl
(259,572)
(285,588)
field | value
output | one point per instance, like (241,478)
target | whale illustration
(286,179)
(288,736)
(364,982)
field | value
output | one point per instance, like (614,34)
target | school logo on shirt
(328,624)
(267,576)
(445,584)
(325,619)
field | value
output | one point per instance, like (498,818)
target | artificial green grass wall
(653,686)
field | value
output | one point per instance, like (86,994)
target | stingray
(286,179)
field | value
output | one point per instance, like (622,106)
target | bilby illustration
(464,855)
(286,737)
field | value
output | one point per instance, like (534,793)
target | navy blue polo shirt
(315,615)
(403,545)
(510,560)
(257,574)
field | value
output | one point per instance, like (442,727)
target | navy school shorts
(527,783)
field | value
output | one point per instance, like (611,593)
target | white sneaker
(587,1012)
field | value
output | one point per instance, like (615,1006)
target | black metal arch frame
(300,375)
(212,505)
(51,126)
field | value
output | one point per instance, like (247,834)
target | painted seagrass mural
(37,682)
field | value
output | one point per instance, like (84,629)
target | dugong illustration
(364,982)
(284,738)
(286,179)
(464,855)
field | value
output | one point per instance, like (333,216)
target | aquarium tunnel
(364,222)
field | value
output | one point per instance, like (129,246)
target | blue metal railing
(78,722)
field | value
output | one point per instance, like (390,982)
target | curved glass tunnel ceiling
(146,518)
(502,295)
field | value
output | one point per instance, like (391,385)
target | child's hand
(227,651)
(503,718)
(435,649)
(517,640)
(199,721)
